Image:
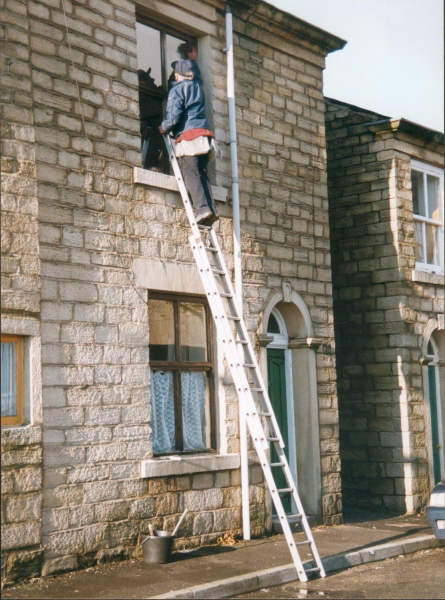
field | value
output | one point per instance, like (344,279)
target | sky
(393,61)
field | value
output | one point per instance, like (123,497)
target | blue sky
(393,61)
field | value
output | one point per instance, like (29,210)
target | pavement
(223,571)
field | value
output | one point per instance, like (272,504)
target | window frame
(164,30)
(425,170)
(178,366)
(19,418)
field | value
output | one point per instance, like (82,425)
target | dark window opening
(181,361)
(157,48)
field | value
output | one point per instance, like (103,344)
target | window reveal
(157,48)
(182,374)
(12,380)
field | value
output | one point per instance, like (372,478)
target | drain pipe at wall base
(237,256)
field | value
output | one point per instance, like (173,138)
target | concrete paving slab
(259,562)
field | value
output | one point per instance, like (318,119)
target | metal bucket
(157,549)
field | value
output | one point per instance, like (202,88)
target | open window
(157,48)
(427,190)
(12,384)
(182,371)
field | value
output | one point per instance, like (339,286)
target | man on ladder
(194,141)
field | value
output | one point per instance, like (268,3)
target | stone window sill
(183,465)
(427,277)
(168,182)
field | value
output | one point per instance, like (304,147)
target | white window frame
(426,169)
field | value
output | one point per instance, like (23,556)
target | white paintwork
(427,169)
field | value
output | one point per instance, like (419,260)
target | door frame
(281,342)
(433,360)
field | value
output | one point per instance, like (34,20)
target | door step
(294,523)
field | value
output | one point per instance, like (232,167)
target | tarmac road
(419,575)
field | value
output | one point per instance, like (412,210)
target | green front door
(434,422)
(276,374)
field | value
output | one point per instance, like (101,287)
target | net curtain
(163,410)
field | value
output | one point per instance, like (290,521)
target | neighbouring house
(117,410)
(387,229)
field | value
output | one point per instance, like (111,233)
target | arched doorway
(287,326)
(434,384)
(279,377)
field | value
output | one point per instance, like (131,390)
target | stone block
(20,535)
(100,491)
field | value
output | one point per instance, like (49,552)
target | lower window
(12,380)
(181,361)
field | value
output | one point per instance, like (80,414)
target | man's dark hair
(184,49)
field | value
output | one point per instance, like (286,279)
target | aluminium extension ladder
(245,372)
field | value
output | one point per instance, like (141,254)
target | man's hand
(161,131)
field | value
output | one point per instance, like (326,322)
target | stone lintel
(168,182)
(313,343)
(185,464)
(167,276)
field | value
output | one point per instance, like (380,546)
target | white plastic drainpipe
(237,257)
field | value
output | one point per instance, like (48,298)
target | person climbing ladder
(194,141)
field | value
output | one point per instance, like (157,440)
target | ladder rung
(200,226)
(273,439)
(263,414)
(242,342)
(249,366)
(224,295)
(303,543)
(254,389)
(210,249)
(285,490)
(218,272)
(295,516)
(231,318)
(279,464)
(313,570)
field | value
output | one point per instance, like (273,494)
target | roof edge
(402,125)
(287,22)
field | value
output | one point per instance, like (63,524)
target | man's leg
(192,178)
(202,165)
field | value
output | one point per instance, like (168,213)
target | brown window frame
(162,95)
(19,418)
(179,366)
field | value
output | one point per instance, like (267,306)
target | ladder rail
(258,375)
(235,354)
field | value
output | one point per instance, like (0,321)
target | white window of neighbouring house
(182,370)
(157,48)
(12,384)
(427,191)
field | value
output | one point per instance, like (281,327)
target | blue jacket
(186,107)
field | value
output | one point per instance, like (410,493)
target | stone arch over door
(433,375)
(303,346)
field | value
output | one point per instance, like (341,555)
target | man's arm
(175,108)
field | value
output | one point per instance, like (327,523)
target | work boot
(211,219)
(203,214)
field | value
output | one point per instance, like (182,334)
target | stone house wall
(382,307)
(21,478)
(78,162)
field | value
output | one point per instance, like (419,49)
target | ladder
(246,373)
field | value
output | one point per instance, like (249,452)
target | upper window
(181,361)
(157,48)
(12,380)
(427,190)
